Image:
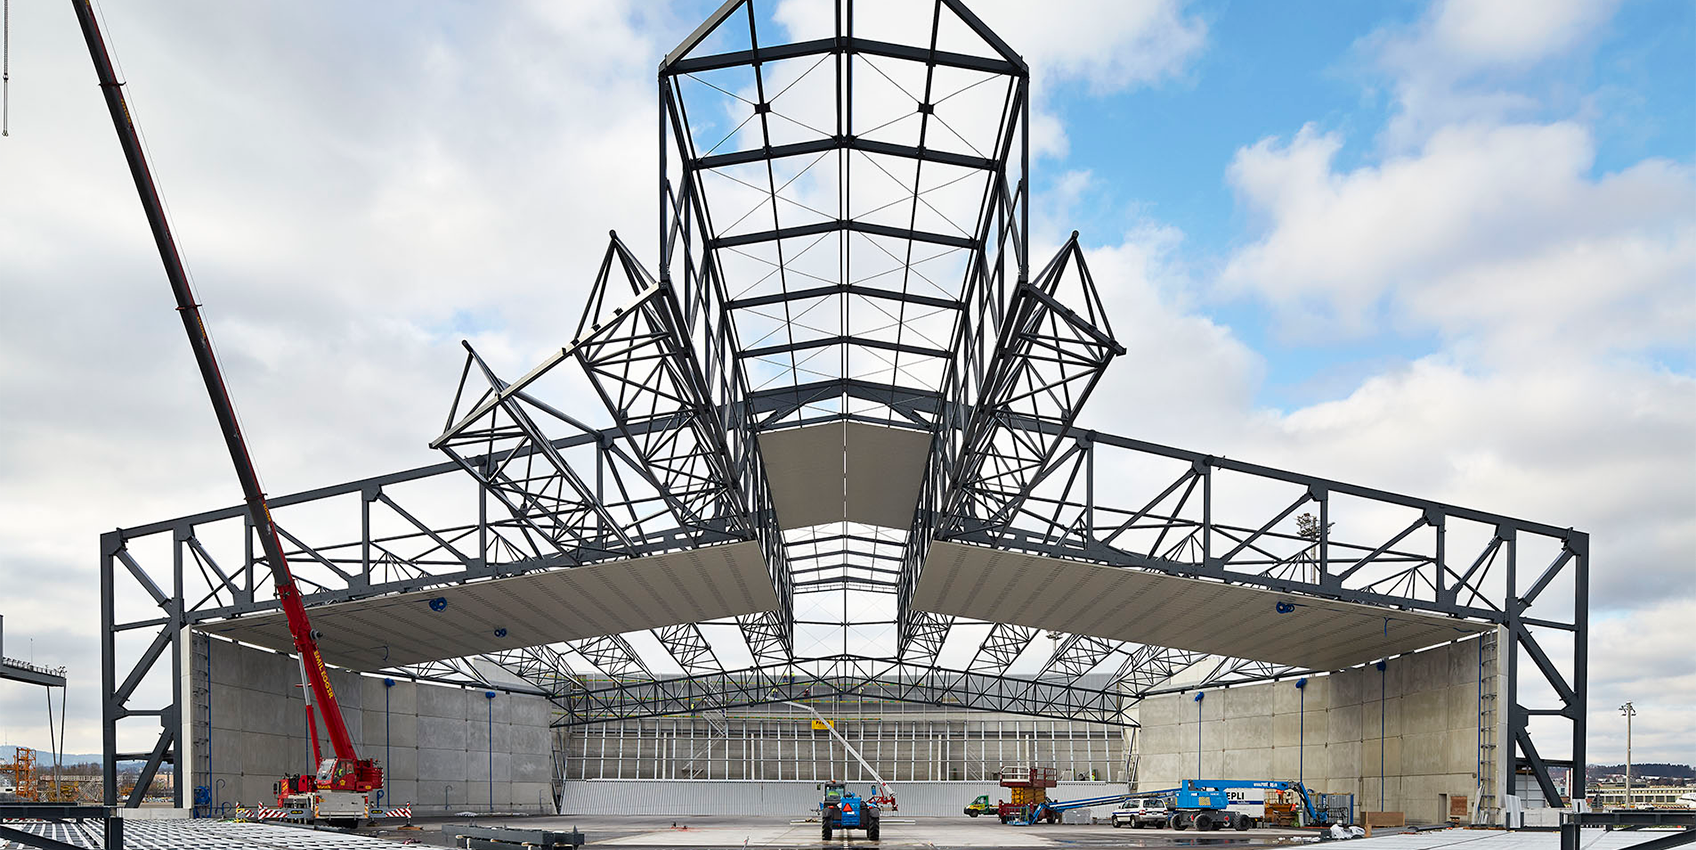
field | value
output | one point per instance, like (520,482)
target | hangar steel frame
(892,286)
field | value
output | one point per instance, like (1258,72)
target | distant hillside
(6,754)
(42,755)
(1651,768)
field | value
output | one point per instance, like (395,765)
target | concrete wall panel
(1250,731)
(1425,705)
(257,734)
(441,702)
(1159,711)
(443,733)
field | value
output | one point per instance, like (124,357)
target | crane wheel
(1241,823)
(872,831)
(1203,823)
(826,830)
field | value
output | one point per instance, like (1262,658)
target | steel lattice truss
(844,223)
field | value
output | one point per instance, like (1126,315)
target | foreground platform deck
(740,832)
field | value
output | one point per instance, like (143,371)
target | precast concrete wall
(1415,724)
(438,745)
(792,798)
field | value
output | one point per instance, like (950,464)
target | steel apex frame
(844,236)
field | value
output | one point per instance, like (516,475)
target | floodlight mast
(361,772)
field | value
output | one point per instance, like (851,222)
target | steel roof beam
(865,227)
(843,289)
(778,398)
(825,342)
(844,44)
(725,160)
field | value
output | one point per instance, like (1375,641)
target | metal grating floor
(203,835)
(1469,839)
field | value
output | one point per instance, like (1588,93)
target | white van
(1248,802)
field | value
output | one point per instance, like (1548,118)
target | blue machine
(1049,810)
(1206,804)
(842,809)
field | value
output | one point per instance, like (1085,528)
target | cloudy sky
(1445,248)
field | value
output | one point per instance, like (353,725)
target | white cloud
(1184,379)
(1583,445)
(1646,660)
(1485,33)
(1499,235)
(1107,45)
(353,198)
(1466,60)
(1555,294)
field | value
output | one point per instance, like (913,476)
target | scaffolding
(21,776)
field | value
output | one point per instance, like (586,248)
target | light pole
(1629,711)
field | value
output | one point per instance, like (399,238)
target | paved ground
(967,834)
(1466,839)
(956,832)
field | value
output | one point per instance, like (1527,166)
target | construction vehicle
(342,785)
(1029,785)
(1049,811)
(885,795)
(843,810)
(1240,804)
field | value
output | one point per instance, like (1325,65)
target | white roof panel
(1183,613)
(845,471)
(533,609)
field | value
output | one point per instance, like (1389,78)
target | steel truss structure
(844,221)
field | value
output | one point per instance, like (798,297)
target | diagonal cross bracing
(877,678)
(1050,350)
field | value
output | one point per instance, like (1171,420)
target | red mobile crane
(341,787)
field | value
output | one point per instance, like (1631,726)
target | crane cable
(6,70)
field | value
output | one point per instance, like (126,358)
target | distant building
(1659,796)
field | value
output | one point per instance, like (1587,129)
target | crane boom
(888,794)
(288,593)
